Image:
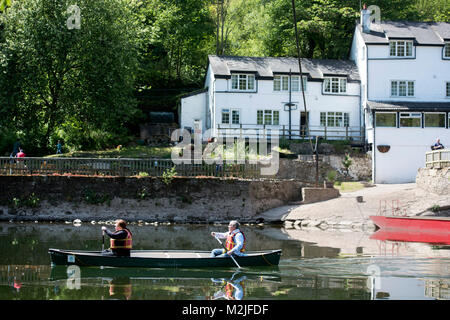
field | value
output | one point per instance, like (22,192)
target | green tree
(58,81)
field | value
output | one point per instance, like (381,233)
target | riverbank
(346,212)
(148,199)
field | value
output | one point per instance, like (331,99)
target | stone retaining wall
(311,195)
(304,169)
(436,181)
(150,199)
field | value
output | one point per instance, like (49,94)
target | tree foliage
(75,84)
(79,84)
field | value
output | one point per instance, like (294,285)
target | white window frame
(238,78)
(281,83)
(233,112)
(394,113)
(407,88)
(343,118)
(410,115)
(225,111)
(401,45)
(270,115)
(230,112)
(425,119)
(331,84)
(446,51)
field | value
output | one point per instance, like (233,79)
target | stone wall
(304,169)
(436,181)
(149,199)
(311,195)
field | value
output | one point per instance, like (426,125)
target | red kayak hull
(435,224)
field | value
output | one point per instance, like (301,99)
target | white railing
(437,159)
(296,132)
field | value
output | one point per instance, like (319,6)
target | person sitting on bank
(121,241)
(438,145)
(235,243)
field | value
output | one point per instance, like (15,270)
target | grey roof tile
(408,106)
(268,66)
(425,33)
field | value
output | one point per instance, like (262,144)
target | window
(259,117)
(410,119)
(225,116)
(447,89)
(281,83)
(402,88)
(334,119)
(400,48)
(383,119)
(434,120)
(335,85)
(243,82)
(447,50)
(235,116)
(268,117)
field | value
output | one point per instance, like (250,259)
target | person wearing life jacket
(121,241)
(235,243)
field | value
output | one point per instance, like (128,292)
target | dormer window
(447,50)
(335,85)
(401,48)
(281,83)
(243,82)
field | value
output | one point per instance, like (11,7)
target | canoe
(163,259)
(416,223)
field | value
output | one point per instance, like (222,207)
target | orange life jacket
(231,243)
(229,290)
(126,243)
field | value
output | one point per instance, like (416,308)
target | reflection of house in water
(438,289)
(24,273)
(326,287)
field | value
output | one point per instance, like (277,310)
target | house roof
(408,106)
(268,66)
(424,33)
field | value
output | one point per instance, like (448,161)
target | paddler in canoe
(121,241)
(235,244)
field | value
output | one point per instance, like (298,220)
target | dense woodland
(91,86)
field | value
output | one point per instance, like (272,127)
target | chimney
(365,19)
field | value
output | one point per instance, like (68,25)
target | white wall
(429,71)
(265,98)
(193,108)
(407,152)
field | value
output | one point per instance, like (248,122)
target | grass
(125,152)
(349,186)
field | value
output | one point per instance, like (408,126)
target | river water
(315,265)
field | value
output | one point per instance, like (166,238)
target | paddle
(231,255)
(103,240)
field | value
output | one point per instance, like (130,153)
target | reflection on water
(314,265)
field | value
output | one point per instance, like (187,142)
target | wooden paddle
(231,255)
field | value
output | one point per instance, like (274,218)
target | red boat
(427,229)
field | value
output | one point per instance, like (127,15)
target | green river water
(319,265)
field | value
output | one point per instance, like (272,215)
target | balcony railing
(437,159)
(296,132)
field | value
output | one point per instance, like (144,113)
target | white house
(405,80)
(245,93)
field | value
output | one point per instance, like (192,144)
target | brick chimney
(365,19)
